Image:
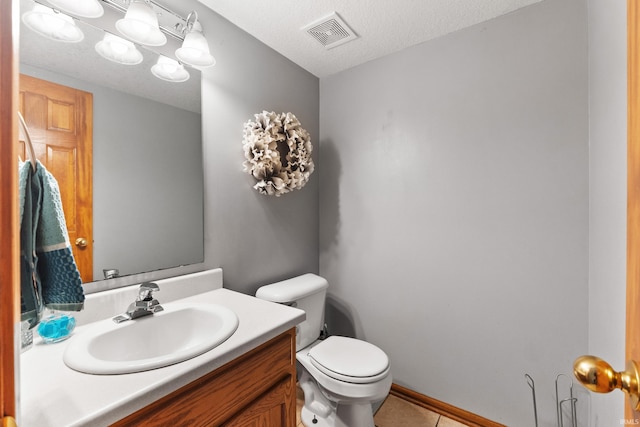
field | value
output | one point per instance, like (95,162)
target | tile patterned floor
(396,412)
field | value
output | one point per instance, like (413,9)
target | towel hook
(27,137)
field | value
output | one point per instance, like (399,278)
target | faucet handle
(145,293)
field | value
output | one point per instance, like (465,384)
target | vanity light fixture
(118,50)
(170,70)
(83,8)
(52,24)
(140,24)
(195,49)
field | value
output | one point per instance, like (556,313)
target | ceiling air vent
(330,31)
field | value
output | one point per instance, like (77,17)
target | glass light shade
(84,8)
(140,25)
(169,70)
(195,49)
(52,25)
(118,50)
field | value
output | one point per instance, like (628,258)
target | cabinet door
(272,409)
(257,389)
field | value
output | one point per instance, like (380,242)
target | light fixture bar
(170,23)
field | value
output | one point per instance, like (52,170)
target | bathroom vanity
(257,388)
(249,379)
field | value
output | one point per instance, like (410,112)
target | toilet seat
(349,360)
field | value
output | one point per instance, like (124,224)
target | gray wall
(148,185)
(454,209)
(256,239)
(608,197)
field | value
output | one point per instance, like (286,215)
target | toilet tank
(307,293)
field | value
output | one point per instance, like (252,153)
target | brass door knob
(597,375)
(81,242)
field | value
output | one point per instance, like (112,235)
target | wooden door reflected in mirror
(60,122)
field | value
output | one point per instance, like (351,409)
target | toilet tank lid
(293,289)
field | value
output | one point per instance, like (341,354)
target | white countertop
(53,395)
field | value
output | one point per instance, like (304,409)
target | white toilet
(340,377)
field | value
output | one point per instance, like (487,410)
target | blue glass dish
(56,328)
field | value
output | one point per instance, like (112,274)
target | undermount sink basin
(180,332)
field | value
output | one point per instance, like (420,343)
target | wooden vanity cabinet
(256,389)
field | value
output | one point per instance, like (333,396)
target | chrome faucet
(144,305)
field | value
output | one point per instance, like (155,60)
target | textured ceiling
(382,26)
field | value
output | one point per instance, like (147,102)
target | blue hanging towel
(49,274)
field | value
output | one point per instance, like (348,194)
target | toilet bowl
(340,376)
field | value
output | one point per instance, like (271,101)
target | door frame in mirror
(9,256)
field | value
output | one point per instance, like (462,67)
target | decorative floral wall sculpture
(278,153)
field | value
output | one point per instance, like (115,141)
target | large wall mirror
(146,158)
